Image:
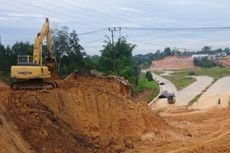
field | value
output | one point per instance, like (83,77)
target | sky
(20,20)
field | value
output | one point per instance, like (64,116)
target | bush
(191,73)
(204,62)
(149,76)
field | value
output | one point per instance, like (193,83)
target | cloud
(21,20)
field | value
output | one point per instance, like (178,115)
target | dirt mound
(117,85)
(173,63)
(82,116)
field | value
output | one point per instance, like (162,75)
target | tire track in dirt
(214,136)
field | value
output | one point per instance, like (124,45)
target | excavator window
(25,60)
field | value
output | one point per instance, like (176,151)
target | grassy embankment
(180,81)
(158,72)
(215,72)
(144,84)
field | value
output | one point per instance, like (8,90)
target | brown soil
(85,116)
(225,61)
(80,116)
(173,63)
(143,96)
(197,132)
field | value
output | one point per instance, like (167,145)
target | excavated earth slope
(173,63)
(80,116)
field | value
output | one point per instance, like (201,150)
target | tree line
(115,59)
(146,59)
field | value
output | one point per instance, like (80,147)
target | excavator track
(34,84)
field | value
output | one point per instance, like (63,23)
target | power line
(114,29)
(92,32)
(177,28)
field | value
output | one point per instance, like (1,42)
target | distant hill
(173,63)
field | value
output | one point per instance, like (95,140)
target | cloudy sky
(20,20)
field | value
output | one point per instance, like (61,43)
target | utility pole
(113,30)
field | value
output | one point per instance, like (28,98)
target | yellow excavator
(30,72)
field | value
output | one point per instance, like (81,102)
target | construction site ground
(94,114)
(197,132)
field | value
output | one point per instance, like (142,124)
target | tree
(60,41)
(204,62)
(69,52)
(168,52)
(149,76)
(227,51)
(8,56)
(206,49)
(118,60)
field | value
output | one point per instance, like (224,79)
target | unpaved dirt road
(219,91)
(184,96)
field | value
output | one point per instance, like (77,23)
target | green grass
(180,81)
(158,72)
(144,84)
(215,72)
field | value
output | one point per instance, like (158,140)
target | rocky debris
(148,136)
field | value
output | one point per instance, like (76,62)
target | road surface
(218,92)
(168,85)
(184,96)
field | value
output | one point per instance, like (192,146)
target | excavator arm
(44,33)
(50,61)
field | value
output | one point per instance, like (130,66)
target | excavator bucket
(51,63)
